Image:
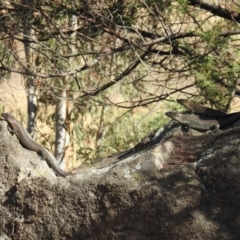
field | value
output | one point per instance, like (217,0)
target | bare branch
(126,72)
(216,10)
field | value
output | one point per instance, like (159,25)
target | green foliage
(93,44)
(215,76)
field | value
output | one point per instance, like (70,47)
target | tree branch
(216,10)
(127,71)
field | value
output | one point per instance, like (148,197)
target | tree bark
(28,35)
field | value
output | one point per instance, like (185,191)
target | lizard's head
(173,115)
(8,117)
(181,101)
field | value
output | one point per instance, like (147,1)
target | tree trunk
(28,35)
(62,136)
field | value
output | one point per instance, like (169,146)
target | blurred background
(89,79)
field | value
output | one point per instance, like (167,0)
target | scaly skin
(199,109)
(194,121)
(202,122)
(29,143)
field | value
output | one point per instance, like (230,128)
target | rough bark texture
(175,186)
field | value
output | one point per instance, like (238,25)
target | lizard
(199,109)
(194,121)
(25,139)
(201,122)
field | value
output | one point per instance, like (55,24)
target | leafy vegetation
(117,61)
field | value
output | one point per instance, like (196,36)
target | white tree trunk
(28,34)
(62,136)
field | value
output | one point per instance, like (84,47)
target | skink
(29,143)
